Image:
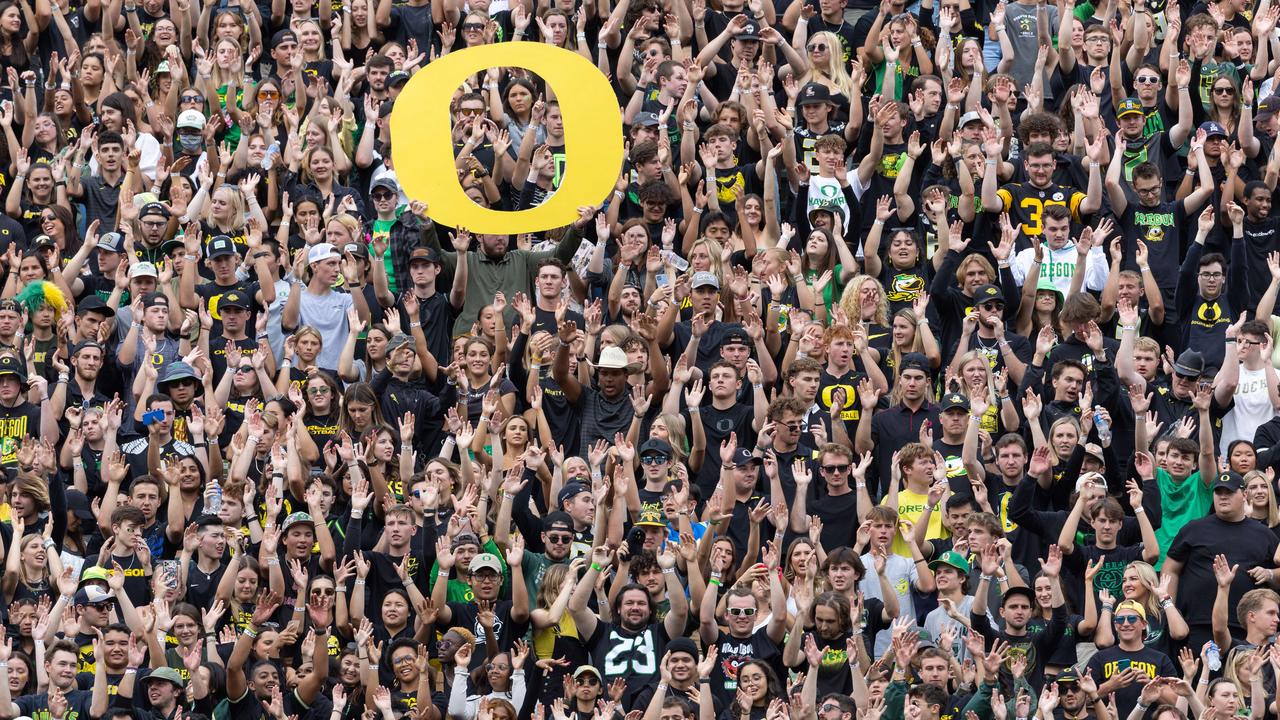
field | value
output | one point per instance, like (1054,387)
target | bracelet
(1108,607)
(1230,341)
(668,571)
(127,671)
(602,45)
(342,589)
(596,566)
(253,634)
(1165,604)
(253,439)
(694,410)
(299,609)
(361,581)
(986,578)
(415,325)
(273,561)
(442,573)
(1139,510)
(373,666)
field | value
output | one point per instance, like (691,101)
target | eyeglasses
(834,469)
(1211,275)
(403,660)
(831,707)
(1224,91)
(245,369)
(498,666)
(321,390)
(818,47)
(653,459)
(1154,189)
(1127,619)
(559,539)
(589,680)
(472,27)
(1097,37)
(1147,80)
(153,223)
(192,98)
(742,612)
(268,95)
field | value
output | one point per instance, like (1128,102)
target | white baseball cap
(321,252)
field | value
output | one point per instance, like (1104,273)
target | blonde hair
(714,249)
(852,306)
(833,74)
(1273,512)
(1064,420)
(1148,581)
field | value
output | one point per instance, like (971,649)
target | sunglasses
(472,27)
(589,680)
(103,606)
(322,390)
(1068,687)
(1127,619)
(382,196)
(1224,91)
(834,469)
(268,95)
(323,591)
(992,306)
(653,459)
(470,112)
(1147,80)
(559,539)
(742,612)
(818,47)
(192,98)
(831,707)
(245,369)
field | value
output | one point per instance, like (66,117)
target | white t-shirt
(1059,265)
(902,576)
(1252,407)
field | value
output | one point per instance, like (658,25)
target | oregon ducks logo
(1209,312)
(1155,234)
(424,149)
(905,288)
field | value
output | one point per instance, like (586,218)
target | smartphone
(662,280)
(152,416)
(1123,664)
(169,571)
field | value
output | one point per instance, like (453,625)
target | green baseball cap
(952,558)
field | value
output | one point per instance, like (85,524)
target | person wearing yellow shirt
(921,469)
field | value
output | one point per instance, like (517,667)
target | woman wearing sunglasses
(33,194)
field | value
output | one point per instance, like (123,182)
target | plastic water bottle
(675,260)
(1104,426)
(214,503)
(1213,656)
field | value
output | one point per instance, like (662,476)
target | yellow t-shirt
(910,507)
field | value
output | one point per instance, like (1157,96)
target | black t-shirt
(504,628)
(1247,542)
(1114,660)
(632,656)
(1260,239)
(1160,228)
(733,653)
(16,423)
(37,706)
(717,425)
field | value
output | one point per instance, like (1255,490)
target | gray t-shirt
(1020,23)
(328,314)
(902,575)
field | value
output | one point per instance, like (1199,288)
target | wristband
(341,589)
(668,571)
(127,671)
(596,566)
(299,609)
(987,578)
(694,410)
(361,581)
(442,573)
(1139,510)
(273,561)
(251,633)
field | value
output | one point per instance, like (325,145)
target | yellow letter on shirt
(423,147)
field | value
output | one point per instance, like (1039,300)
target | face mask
(190,144)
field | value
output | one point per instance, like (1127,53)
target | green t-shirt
(1180,503)
(382,229)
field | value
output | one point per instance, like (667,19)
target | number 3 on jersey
(630,655)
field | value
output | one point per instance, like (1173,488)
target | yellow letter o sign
(423,144)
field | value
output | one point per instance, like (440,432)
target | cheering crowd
(920,364)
